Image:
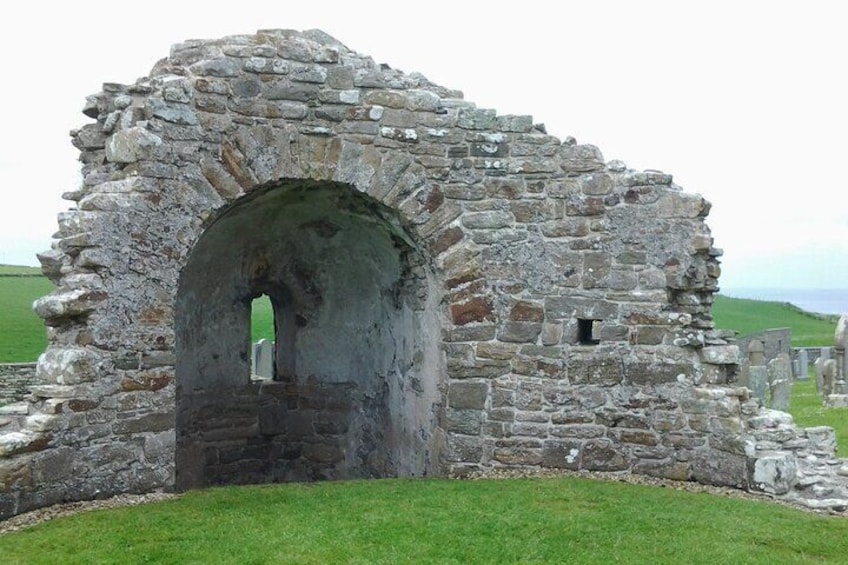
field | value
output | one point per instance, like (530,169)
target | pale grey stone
(774,473)
(131,145)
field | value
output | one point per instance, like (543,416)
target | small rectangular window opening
(588,331)
(262,339)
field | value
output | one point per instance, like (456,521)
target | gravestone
(823,357)
(757,371)
(263,359)
(780,382)
(803,360)
(841,343)
(829,376)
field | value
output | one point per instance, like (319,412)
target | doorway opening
(356,370)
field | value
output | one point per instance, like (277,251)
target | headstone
(823,357)
(743,376)
(758,382)
(756,353)
(803,372)
(841,343)
(828,376)
(780,382)
(819,365)
(757,371)
(263,359)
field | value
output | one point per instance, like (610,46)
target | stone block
(155,422)
(603,455)
(577,430)
(478,309)
(471,395)
(464,448)
(519,332)
(464,421)
(714,467)
(773,472)
(561,454)
(595,371)
(518,455)
(579,307)
(667,469)
(721,354)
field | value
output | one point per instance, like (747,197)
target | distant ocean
(822,301)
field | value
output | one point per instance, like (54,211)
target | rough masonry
(454,290)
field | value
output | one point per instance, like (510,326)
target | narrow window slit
(588,331)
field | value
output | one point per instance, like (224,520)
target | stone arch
(359,372)
(555,306)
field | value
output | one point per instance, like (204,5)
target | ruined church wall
(15,381)
(573,294)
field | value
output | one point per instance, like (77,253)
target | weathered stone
(719,468)
(131,145)
(451,290)
(780,382)
(774,473)
(603,455)
(721,354)
(561,454)
(520,332)
(487,220)
(468,395)
(475,310)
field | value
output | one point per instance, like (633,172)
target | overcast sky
(744,102)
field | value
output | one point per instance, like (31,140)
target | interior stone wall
(358,360)
(455,291)
(15,380)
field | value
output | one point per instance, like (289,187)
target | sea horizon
(816,300)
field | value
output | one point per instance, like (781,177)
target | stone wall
(15,381)
(454,290)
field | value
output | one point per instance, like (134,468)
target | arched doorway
(358,370)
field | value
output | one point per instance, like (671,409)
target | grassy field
(19,270)
(22,334)
(262,319)
(807,411)
(750,316)
(439,521)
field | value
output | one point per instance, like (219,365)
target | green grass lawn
(262,319)
(750,316)
(807,411)
(566,520)
(22,334)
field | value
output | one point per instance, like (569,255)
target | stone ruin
(454,291)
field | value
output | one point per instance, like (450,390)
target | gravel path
(29,519)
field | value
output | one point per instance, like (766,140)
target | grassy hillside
(750,316)
(18,270)
(22,334)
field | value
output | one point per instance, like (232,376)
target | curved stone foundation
(454,290)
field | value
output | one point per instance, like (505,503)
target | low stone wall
(15,381)
(813,353)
